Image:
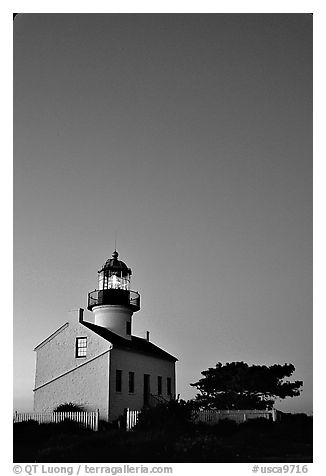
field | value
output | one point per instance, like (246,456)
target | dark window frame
(118,380)
(169,386)
(131,382)
(80,349)
(159,385)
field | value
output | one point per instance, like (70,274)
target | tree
(236,385)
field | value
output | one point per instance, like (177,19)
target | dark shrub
(225,427)
(172,415)
(295,418)
(258,423)
(105,425)
(69,407)
(68,426)
(26,424)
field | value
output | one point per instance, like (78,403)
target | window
(168,382)
(159,385)
(128,328)
(118,380)
(131,382)
(81,346)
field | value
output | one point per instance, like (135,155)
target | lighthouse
(114,303)
(93,360)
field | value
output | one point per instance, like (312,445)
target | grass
(289,440)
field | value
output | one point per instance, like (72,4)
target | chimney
(81,315)
(147,336)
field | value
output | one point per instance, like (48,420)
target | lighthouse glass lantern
(114,275)
(114,286)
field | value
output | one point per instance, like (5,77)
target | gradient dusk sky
(190,136)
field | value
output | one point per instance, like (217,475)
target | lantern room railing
(114,297)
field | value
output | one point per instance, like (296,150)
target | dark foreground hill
(288,440)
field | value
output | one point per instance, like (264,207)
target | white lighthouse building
(95,361)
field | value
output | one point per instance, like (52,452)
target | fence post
(127,419)
(97,417)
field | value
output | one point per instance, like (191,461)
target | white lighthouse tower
(113,303)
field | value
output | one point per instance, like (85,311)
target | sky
(190,137)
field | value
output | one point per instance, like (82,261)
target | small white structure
(100,364)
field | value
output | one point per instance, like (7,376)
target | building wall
(86,385)
(90,381)
(140,364)
(57,357)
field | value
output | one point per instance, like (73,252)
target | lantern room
(114,286)
(114,275)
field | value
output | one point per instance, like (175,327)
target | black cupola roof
(114,264)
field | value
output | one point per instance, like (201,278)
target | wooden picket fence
(91,419)
(212,417)
(131,418)
(85,419)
